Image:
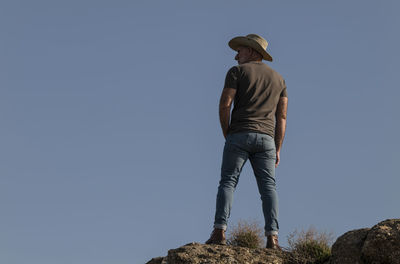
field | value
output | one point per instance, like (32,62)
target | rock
(347,248)
(377,245)
(158,260)
(195,253)
(382,245)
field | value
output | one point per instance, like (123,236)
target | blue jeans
(260,150)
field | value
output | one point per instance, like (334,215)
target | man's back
(258,89)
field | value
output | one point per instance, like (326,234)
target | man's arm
(225,103)
(280,128)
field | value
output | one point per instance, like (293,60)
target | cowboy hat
(253,41)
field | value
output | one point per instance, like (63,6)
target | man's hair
(256,54)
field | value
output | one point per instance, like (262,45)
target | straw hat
(253,41)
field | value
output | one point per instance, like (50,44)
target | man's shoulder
(234,71)
(234,68)
(259,67)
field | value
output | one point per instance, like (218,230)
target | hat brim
(235,43)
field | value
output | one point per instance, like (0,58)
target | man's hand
(225,103)
(278,158)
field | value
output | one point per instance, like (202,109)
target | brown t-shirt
(258,89)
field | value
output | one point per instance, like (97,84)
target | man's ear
(255,53)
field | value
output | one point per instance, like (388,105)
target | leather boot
(272,242)
(217,237)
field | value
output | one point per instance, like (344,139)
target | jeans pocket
(269,144)
(228,138)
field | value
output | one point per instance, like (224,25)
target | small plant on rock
(310,246)
(246,234)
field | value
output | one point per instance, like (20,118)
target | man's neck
(255,60)
(251,60)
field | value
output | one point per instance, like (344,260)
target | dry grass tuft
(310,246)
(246,234)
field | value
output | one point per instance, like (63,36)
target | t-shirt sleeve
(231,79)
(284,92)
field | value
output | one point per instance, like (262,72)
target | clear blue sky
(110,143)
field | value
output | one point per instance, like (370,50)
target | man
(255,132)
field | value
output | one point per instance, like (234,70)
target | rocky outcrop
(382,244)
(377,245)
(347,248)
(195,253)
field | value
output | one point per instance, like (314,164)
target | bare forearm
(224,116)
(280,127)
(280,130)
(225,103)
